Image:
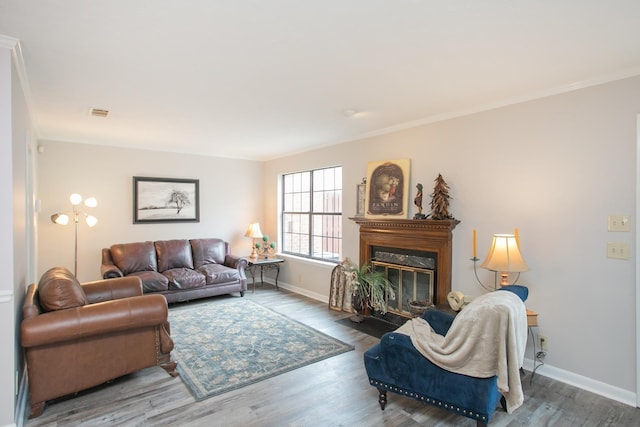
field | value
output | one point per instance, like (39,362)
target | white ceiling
(259,79)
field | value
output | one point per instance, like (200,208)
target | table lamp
(504,257)
(254,233)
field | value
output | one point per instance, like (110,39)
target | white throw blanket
(488,337)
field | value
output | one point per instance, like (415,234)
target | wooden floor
(333,392)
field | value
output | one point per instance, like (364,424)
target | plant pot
(417,308)
(360,306)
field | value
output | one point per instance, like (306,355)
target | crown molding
(13,44)
(8,42)
(583,84)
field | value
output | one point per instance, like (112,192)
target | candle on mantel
(515,233)
(474,243)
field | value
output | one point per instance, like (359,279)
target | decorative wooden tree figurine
(440,200)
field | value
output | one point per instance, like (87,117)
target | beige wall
(554,168)
(229,200)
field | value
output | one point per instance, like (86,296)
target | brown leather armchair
(79,336)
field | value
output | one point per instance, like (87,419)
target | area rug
(370,326)
(223,345)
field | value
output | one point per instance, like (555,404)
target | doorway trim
(637,258)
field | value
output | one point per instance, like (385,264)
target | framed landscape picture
(387,192)
(158,200)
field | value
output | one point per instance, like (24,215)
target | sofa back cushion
(173,254)
(209,251)
(132,257)
(59,289)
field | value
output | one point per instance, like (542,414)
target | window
(312,214)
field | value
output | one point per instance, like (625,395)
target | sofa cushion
(59,289)
(216,273)
(134,257)
(173,254)
(208,251)
(184,278)
(152,281)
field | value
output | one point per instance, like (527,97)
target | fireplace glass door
(408,283)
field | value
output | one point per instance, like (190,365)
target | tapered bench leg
(382,398)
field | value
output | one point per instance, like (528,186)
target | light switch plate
(618,250)
(619,223)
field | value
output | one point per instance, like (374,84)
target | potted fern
(369,289)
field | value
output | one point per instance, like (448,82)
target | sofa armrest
(108,269)
(439,320)
(237,262)
(111,289)
(94,320)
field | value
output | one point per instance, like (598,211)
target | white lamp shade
(75,199)
(91,220)
(254,231)
(504,255)
(61,219)
(91,202)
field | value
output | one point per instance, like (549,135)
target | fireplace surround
(415,253)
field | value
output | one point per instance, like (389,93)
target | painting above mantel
(387,192)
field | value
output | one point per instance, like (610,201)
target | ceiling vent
(98,112)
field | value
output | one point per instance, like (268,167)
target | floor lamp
(63,219)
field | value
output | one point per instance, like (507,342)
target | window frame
(306,192)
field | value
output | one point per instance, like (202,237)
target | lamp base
(504,279)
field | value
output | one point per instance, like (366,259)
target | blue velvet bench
(395,365)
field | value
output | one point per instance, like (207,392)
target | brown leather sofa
(181,270)
(80,336)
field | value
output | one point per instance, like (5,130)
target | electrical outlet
(544,344)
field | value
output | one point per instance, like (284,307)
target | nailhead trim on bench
(429,400)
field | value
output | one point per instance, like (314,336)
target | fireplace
(415,255)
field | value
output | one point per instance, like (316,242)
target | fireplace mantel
(427,235)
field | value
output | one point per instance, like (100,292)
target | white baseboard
(301,291)
(603,389)
(21,404)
